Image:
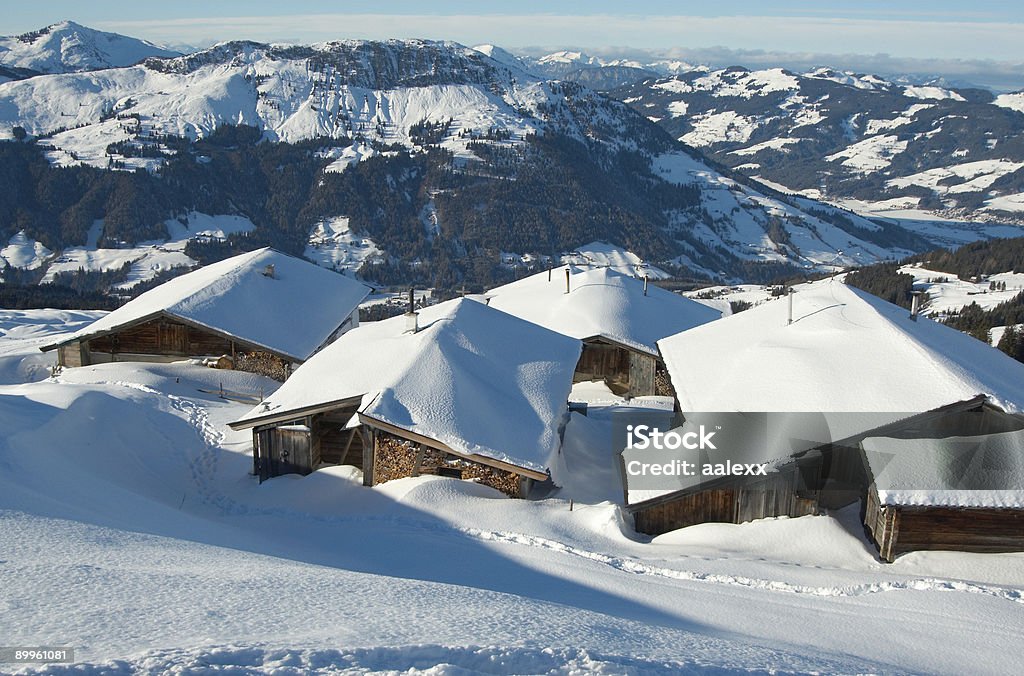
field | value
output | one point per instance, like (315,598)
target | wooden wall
(300,446)
(71,355)
(333,444)
(898,529)
(778,494)
(641,374)
(625,371)
(162,336)
(163,340)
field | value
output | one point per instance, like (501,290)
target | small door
(173,338)
(282,450)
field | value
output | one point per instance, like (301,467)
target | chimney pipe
(915,305)
(412,319)
(549,273)
(789,301)
(567,279)
(645,285)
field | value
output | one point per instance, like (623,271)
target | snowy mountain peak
(70,47)
(504,57)
(383,64)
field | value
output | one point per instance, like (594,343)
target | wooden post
(420,450)
(369,439)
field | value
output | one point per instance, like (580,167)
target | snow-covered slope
(831,135)
(69,47)
(339,89)
(146,259)
(23,252)
(395,99)
(123,490)
(947,293)
(770,228)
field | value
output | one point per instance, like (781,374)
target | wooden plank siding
(625,370)
(301,445)
(282,450)
(781,493)
(71,355)
(898,529)
(162,336)
(334,444)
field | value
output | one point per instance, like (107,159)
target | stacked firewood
(395,458)
(263,364)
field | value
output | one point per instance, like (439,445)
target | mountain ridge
(389,133)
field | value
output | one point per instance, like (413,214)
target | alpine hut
(457,389)
(264,310)
(619,318)
(877,380)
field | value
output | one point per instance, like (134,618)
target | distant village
(922,423)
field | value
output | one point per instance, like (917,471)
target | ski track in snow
(639,568)
(633,566)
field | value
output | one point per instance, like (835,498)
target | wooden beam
(295,413)
(348,445)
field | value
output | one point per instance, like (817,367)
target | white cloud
(903,37)
(985,52)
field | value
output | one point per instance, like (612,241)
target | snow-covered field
(132,530)
(740,219)
(948,293)
(147,259)
(333,245)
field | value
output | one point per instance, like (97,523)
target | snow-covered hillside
(832,135)
(395,99)
(145,260)
(948,293)
(291,93)
(741,219)
(69,47)
(133,531)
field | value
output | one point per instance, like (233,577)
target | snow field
(132,529)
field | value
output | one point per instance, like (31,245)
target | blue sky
(959,39)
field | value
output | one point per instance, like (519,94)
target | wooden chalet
(957,484)
(619,318)
(458,389)
(262,311)
(880,379)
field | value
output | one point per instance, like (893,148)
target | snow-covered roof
(845,351)
(601,303)
(959,471)
(292,313)
(480,381)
